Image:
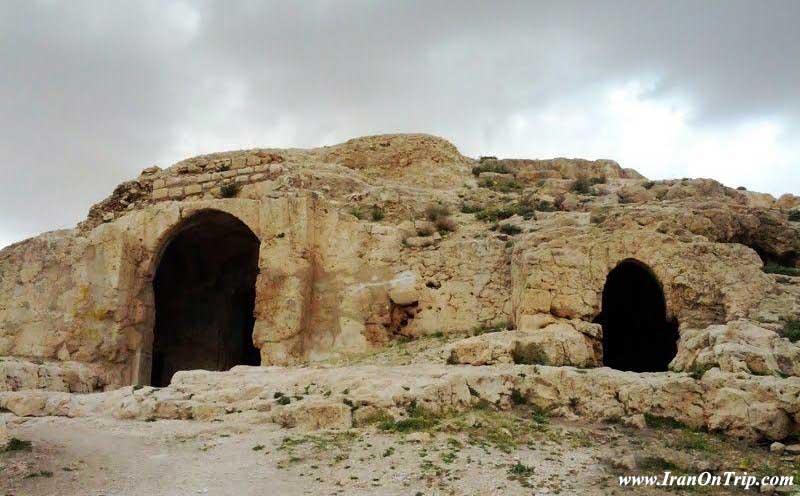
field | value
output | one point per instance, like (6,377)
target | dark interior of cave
(636,333)
(204,296)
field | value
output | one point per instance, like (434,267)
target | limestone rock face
(558,343)
(562,271)
(396,237)
(738,346)
(753,407)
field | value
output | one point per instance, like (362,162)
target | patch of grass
(377,214)
(517,397)
(658,422)
(490,166)
(43,473)
(425,231)
(320,442)
(545,206)
(229,190)
(581,186)
(776,268)
(655,464)
(791,330)
(357,213)
(523,209)
(520,473)
(470,208)
(389,452)
(376,418)
(502,185)
(18,445)
(530,355)
(445,225)
(284,400)
(258,447)
(412,424)
(509,229)
(486,328)
(419,419)
(694,441)
(436,212)
(697,373)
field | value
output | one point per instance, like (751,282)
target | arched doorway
(636,333)
(204,297)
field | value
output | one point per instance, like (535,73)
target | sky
(93,92)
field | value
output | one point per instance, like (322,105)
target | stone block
(161,193)
(193,189)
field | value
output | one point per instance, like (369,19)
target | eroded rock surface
(382,239)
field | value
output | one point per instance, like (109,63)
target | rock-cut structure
(560,277)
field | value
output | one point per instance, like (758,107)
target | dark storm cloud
(92,92)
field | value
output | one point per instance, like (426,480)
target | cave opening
(204,297)
(636,333)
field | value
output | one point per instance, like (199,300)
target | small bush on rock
(229,190)
(791,330)
(436,212)
(377,214)
(490,166)
(794,215)
(582,186)
(470,208)
(509,229)
(445,225)
(776,268)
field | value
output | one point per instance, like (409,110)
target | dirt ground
(480,452)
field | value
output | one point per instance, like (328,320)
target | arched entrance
(204,297)
(636,333)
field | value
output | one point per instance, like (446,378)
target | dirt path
(91,456)
(477,453)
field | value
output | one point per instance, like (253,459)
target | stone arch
(204,288)
(637,332)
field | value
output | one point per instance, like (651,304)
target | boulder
(559,343)
(738,346)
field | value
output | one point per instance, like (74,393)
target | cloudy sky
(92,92)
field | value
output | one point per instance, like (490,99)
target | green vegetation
(18,445)
(490,166)
(523,209)
(509,229)
(791,330)
(581,186)
(694,441)
(487,328)
(776,268)
(377,213)
(794,215)
(658,422)
(440,216)
(436,212)
(229,190)
(445,225)
(655,464)
(503,185)
(470,208)
(419,419)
